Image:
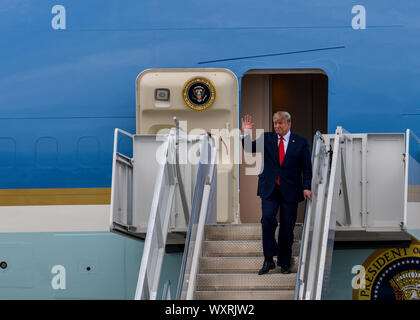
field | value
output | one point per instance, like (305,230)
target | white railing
(320,221)
(122,186)
(321,153)
(363,190)
(204,211)
(154,246)
(412,183)
(167,184)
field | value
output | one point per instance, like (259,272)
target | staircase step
(243,231)
(270,281)
(239,248)
(237,265)
(245,295)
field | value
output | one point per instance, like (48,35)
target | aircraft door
(202,100)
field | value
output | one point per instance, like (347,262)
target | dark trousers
(288,212)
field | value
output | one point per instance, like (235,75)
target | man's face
(281,126)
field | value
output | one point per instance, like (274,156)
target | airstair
(231,258)
(364,189)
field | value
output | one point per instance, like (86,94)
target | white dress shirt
(286,139)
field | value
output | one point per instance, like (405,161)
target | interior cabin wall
(255,101)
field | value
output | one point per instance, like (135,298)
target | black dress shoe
(285,271)
(267,266)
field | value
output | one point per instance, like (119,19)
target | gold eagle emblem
(199,93)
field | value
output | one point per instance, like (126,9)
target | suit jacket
(295,172)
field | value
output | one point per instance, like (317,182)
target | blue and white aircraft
(68,79)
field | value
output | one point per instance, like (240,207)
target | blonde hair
(283,114)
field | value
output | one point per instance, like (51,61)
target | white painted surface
(66,218)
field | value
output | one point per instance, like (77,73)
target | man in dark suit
(284,182)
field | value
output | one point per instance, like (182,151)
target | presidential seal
(392,274)
(199,93)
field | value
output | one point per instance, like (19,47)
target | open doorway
(302,93)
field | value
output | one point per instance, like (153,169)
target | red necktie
(281,155)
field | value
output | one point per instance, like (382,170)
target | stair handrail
(203,211)
(160,212)
(122,162)
(412,172)
(312,278)
(304,239)
(167,290)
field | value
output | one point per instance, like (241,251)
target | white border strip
(66,218)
